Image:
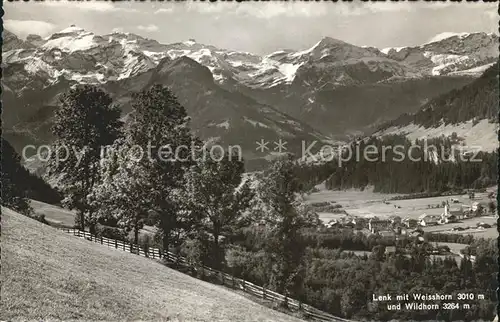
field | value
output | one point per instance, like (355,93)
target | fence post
(116,243)
(222,277)
(101,240)
(159,253)
(233,281)
(264,293)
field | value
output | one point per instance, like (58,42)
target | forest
(19,183)
(342,283)
(426,171)
(475,101)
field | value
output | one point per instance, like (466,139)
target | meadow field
(60,217)
(54,215)
(471,222)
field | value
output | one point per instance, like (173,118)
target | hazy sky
(255,26)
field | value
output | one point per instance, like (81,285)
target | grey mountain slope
(239,98)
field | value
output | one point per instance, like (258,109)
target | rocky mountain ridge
(80,55)
(325,92)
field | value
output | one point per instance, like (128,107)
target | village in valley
(402,217)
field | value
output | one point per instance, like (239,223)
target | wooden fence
(223,278)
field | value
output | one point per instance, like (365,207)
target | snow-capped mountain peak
(329,41)
(71,39)
(445,35)
(189,42)
(388,49)
(71,29)
(449,53)
(73,51)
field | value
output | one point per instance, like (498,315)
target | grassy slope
(49,275)
(54,214)
(60,217)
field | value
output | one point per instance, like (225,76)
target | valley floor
(368,204)
(48,275)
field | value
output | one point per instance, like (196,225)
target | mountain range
(327,92)
(469,115)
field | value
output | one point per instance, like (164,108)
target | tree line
(340,282)
(426,171)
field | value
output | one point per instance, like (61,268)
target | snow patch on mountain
(288,71)
(71,39)
(176,53)
(190,42)
(388,49)
(224,125)
(255,123)
(449,53)
(443,61)
(307,51)
(72,29)
(35,65)
(472,71)
(445,35)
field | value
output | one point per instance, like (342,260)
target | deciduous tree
(85,122)
(285,218)
(123,194)
(159,126)
(216,190)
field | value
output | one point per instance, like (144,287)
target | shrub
(111,232)
(40,218)
(195,251)
(320,204)
(313,190)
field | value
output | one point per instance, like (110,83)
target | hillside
(54,215)
(478,100)
(356,108)
(52,276)
(471,112)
